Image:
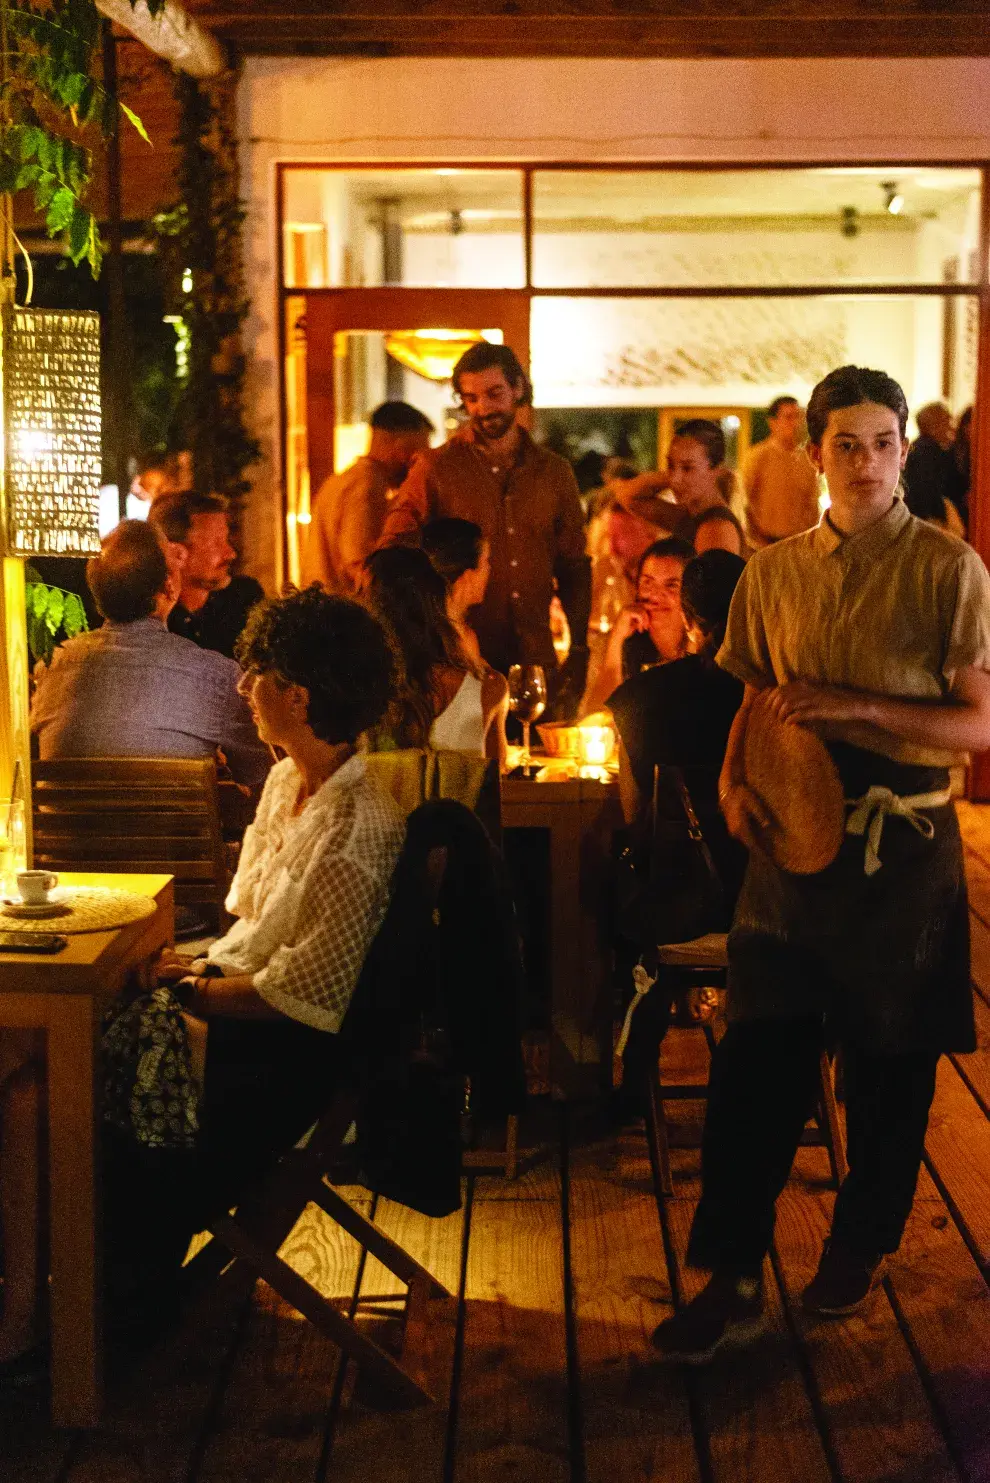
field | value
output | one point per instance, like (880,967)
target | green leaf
(62,211)
(26,139)
(55,610)
(35,599)
(74,88)
(41,640)
(81,226)
(48,152)
(74,617)
(44,190)
(132,118)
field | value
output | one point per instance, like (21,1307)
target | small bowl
(560,740)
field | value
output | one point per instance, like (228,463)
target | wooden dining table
(581,816)
(65,995)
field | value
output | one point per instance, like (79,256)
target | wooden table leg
(77,1347)
(569,1075)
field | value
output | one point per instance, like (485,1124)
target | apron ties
(870,813)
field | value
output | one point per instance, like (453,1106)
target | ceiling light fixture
(431,353)
(892,198)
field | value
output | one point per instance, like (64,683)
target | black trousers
(762,1090)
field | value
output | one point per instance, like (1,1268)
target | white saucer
(57,905)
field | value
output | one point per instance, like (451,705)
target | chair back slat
(133,815)
(415,775)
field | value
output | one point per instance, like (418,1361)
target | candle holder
(595,747)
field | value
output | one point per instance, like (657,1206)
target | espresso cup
(34,886)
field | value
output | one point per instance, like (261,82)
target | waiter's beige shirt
(895,609)
(781,490)
(348,516)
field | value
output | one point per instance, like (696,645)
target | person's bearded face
(490,401)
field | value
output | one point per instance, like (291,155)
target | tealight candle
(596,744)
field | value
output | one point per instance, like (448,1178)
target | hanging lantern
(51,396)
(431,353)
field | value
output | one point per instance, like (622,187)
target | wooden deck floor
(561,1277)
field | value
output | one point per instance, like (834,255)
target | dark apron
(884,958)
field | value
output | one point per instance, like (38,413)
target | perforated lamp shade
(51,397)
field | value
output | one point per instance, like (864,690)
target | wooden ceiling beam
(608,11)
(744,37)
(616,28)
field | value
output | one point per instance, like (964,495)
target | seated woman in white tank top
(444,700)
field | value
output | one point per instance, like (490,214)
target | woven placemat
(84,909)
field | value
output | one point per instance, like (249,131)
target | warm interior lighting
(596,744)
(892,198)
(431,353)
(51,377)
(350,442)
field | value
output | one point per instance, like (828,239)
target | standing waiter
(525,500)
(874,630)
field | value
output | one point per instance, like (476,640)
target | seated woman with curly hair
(310,892)
(443,699)
(312,882)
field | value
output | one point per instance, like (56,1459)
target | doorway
(348,352)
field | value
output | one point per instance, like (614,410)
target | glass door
(348,352)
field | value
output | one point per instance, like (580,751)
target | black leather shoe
(843,1282)
(726,1314)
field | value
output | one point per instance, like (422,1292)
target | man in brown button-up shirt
(526,501)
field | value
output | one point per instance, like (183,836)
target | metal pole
(117,339)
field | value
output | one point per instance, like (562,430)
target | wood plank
(881,1421)
(272,1422)
(944,1305)
(600,28)
(756,1408)
(637,1424)
(687,39)
(512,1403)
(958,1151)
(405,1444)
(974,1068)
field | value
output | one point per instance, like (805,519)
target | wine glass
(528,701)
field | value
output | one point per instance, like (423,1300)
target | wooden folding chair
(133,815)
(257,1229)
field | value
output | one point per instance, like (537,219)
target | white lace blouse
(311,891)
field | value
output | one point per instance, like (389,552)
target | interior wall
(416,110)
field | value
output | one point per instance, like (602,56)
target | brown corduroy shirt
(531,517)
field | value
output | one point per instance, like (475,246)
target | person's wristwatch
(185,991)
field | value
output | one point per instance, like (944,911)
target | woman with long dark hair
(442,699)
(459,552)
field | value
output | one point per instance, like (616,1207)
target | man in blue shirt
(132,688)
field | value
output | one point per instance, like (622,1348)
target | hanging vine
(52,98)
(201,243)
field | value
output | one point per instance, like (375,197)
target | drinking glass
(527,701)
(13,844)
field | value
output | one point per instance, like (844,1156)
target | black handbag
(667,886)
